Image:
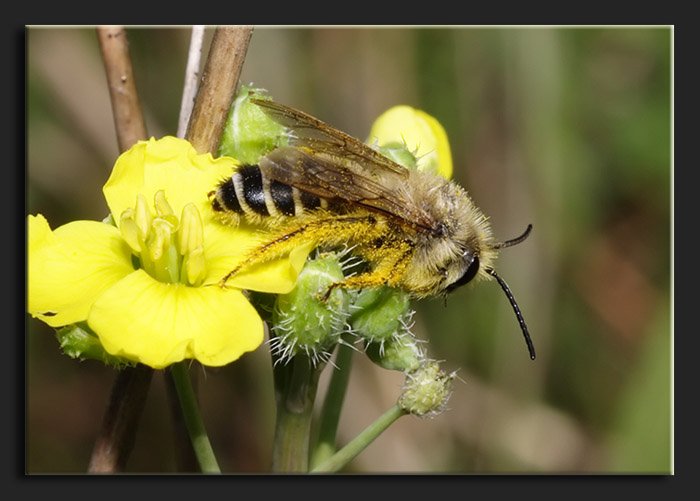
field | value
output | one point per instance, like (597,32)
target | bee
(416,230)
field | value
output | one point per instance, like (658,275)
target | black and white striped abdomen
(249,194)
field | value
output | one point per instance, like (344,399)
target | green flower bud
(426,390)
(249,133)
(302,321)
(78,341)
(398,353)
(382,313)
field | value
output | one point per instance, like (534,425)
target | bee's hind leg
(333,230)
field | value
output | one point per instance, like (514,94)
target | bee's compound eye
(469,274)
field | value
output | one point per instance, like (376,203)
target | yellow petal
(420,132)
(39,233)
(278,276)
(69,267)
(169,164)
(159,324)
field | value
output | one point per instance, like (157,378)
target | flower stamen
(170,250)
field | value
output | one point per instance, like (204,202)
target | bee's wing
(319,136)
(333,165)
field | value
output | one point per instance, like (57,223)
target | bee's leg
(324,231)
(392,259)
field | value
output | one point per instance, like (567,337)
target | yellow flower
(421,133)
(148,286)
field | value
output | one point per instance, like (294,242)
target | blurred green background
(565,128)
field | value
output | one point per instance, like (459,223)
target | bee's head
(472,265)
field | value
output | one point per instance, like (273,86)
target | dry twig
(118,431)
(223,68)
(128,119)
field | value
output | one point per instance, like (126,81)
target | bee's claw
(323,297)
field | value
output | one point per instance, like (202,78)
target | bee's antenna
(515,306)
(514,241)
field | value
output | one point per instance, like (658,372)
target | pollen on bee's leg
(370,280)
(392,260)
(330,231)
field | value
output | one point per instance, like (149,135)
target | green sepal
(109,220)
(79,341)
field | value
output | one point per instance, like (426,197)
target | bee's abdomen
(248,193)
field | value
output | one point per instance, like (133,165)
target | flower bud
(426,390)
(398,353)
(303,321)
(378,314)
(249,133)
(421,133)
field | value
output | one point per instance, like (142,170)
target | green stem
(360,442)
(330,414)
(193,420)
(295,389)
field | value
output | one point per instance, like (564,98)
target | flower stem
(185,459)
(360,442)
(295,391)
(330,414)
(193,420)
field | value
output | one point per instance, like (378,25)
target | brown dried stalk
(128,119)
(118,432)
(221,73)
(116,438)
